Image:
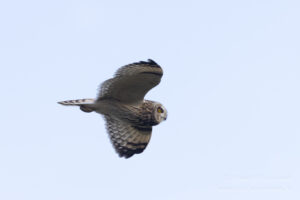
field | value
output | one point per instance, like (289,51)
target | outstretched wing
(127,139)
(131,82)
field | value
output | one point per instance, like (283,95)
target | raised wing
(127,139)
(131,82)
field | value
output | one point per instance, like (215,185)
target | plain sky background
(231,87)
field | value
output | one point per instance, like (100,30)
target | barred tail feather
(86,105)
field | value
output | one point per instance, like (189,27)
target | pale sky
(231,86)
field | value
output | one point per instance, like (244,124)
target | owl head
(160,113)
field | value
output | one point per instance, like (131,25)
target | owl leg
(86,108)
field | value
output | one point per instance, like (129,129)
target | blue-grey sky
(231,87)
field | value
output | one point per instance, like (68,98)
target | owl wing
(131,82)
(127,139)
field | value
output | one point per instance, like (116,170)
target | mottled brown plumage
(129,118)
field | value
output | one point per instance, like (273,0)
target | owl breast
(144,114)
(138,115)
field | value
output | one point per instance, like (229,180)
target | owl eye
(160,110)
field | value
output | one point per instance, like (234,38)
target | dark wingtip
(128,153)
(125,155)
(150,61)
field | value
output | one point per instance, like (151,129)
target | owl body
(129,118)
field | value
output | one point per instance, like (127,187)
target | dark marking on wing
(143,128)
(155,73)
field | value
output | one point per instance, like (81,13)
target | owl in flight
(129,117)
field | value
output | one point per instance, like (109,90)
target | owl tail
(86,105)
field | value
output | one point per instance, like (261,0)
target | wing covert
(131,82)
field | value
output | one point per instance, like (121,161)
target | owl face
(160,113)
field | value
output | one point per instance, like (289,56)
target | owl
(129,117)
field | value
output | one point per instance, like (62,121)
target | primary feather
(129,118)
